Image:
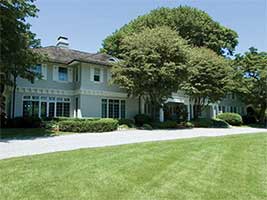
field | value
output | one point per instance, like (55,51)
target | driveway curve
(32,146)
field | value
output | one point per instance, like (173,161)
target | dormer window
(96,74)
(62,74)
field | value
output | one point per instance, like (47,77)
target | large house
(77,84)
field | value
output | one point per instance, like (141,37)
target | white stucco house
(76,84)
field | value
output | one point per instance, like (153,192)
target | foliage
(186,125)
(209,78)
(24,122)
(128,122)
(147,127)
(17,40)
(165,125)
(123,127)
(153,61)
(251,79)
(194,25)
(101,125)
(141,119)
(247,119)
(219,123)
(231,118)
(210,123)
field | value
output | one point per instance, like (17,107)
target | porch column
(161,114)
(188,112)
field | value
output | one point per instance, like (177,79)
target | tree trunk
(262,114)
(14,96)
(139,104)
(197,111)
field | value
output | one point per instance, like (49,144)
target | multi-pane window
(62,74)
(113,108)
(96,74)
(46,107)
(31,108)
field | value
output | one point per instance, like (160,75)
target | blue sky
(87,22)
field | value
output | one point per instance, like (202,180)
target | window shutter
(55,73)
(101,75)
(44,72)
(70,74)
(92,73)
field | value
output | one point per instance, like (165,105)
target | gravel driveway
(16,148)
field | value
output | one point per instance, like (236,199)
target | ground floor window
(113,108)
(46,106)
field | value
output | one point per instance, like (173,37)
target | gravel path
(16,148)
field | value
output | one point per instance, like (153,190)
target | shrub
(210,123)
(123,127)
(219,123)
(141,119)
(147,127)
(165,125)
(185,125)
(249,119)
(88,125)
(231,118)
(128,122)
(202,122)
(24,122)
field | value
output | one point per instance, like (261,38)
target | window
(113,108)
(104,108)
(43,109)
(97,74)
(123,109)
(63,109)
(231,109)
(235,111)
(51,111)
(233,96)
(30,108)
(37,69)
(62,74)
(223,108)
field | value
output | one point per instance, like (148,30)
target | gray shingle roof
(66,56)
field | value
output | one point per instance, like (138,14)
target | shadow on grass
(25,133)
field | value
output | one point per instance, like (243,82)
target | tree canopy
(210,78)
(194,25)
(251,79)
(153,64)
(17,40)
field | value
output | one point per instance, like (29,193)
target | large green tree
(153,64)
(16,42)
(194,25)
(251,79)
(210,78)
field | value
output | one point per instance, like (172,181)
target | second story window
(37,69)
(96,74)
(62,74)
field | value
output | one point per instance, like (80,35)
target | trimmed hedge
(24,122)
(210,123)
(185,125)
(88,125)
(147,127)
(165,125)
(128,122)
(231,118)
(141,119)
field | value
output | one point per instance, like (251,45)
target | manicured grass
(11,133)
(229,168)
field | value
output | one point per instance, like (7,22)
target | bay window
(113,108)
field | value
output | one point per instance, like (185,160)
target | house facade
(77,84)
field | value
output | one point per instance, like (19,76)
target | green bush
(165,125)
(128,122)
(210,123)
(88,125)
(185,125)
(123,127)
(202,122)
(147,127)
(219,123)
(231,118)
(141,119)
(24,122)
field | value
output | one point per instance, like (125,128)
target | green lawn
(230,168)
